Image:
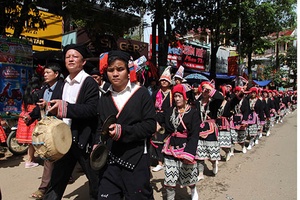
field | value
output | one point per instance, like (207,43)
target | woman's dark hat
(119,54)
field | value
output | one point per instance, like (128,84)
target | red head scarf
(180,89)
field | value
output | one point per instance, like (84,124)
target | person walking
(208,144)
(256,116)
(51,90)
(182,126)
(127,171)
(25,128)
(239,106)
(162,100)
(77,107)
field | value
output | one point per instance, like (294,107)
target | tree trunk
(24,17)
(3,21)
(249,55)
(277,53)
(153,56)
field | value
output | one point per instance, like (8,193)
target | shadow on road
(79,193)
(7,159)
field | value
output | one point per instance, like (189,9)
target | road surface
(268,171)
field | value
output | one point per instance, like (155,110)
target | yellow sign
(48,39)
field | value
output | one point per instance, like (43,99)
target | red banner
(232,65)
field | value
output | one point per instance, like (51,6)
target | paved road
(268,171)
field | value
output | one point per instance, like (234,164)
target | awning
(262,83)
(219,76)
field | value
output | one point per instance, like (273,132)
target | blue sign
(13,81)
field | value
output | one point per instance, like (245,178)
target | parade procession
(185,129)
(144,100)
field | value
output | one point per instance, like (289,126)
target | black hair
(195,85)
(112,59)
(30,93)
(54,67)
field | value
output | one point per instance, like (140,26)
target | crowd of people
(171,123)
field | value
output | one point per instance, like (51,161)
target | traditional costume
(255,118)
(162,101)
(208,144)
(239,120)
(24,132)
(182,126)
(127,171)
(266,103)
(225,136)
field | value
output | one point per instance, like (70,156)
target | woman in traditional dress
(238,123)
(208,144)
(226,137)
(182,125)
(24,132)
(256,117)
(266,108)
(162,100)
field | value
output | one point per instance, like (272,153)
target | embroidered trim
(212,92)
(208,127)
(118,132)
(223,123)
(62,109)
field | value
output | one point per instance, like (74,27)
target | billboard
(13,81)
(44,39)
(15,72)
(186,54)
(15,51)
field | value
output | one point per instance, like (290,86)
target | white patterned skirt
(253,130)
(241,135)
(272,120)
(208,150)
(267,125)
(178,173)
(234,135)
(225,139)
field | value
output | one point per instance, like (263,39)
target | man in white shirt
(77,108)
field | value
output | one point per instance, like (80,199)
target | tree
(197,16)
(291,62)
(20,15)
(259,19)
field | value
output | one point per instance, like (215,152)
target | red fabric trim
(212,92)
(152,143)
(118,132)
(211,128)
(62,109)
(180,135)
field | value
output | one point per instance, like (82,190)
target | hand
(112,130)
(42,103)
(26,119)
(94,146)
(53,107)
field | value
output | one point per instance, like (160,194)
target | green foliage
(282,77)
(19,16)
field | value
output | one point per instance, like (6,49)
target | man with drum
(51,90)
(77,107)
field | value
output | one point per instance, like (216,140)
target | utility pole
(239,48)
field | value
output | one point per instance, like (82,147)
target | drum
(51,138)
